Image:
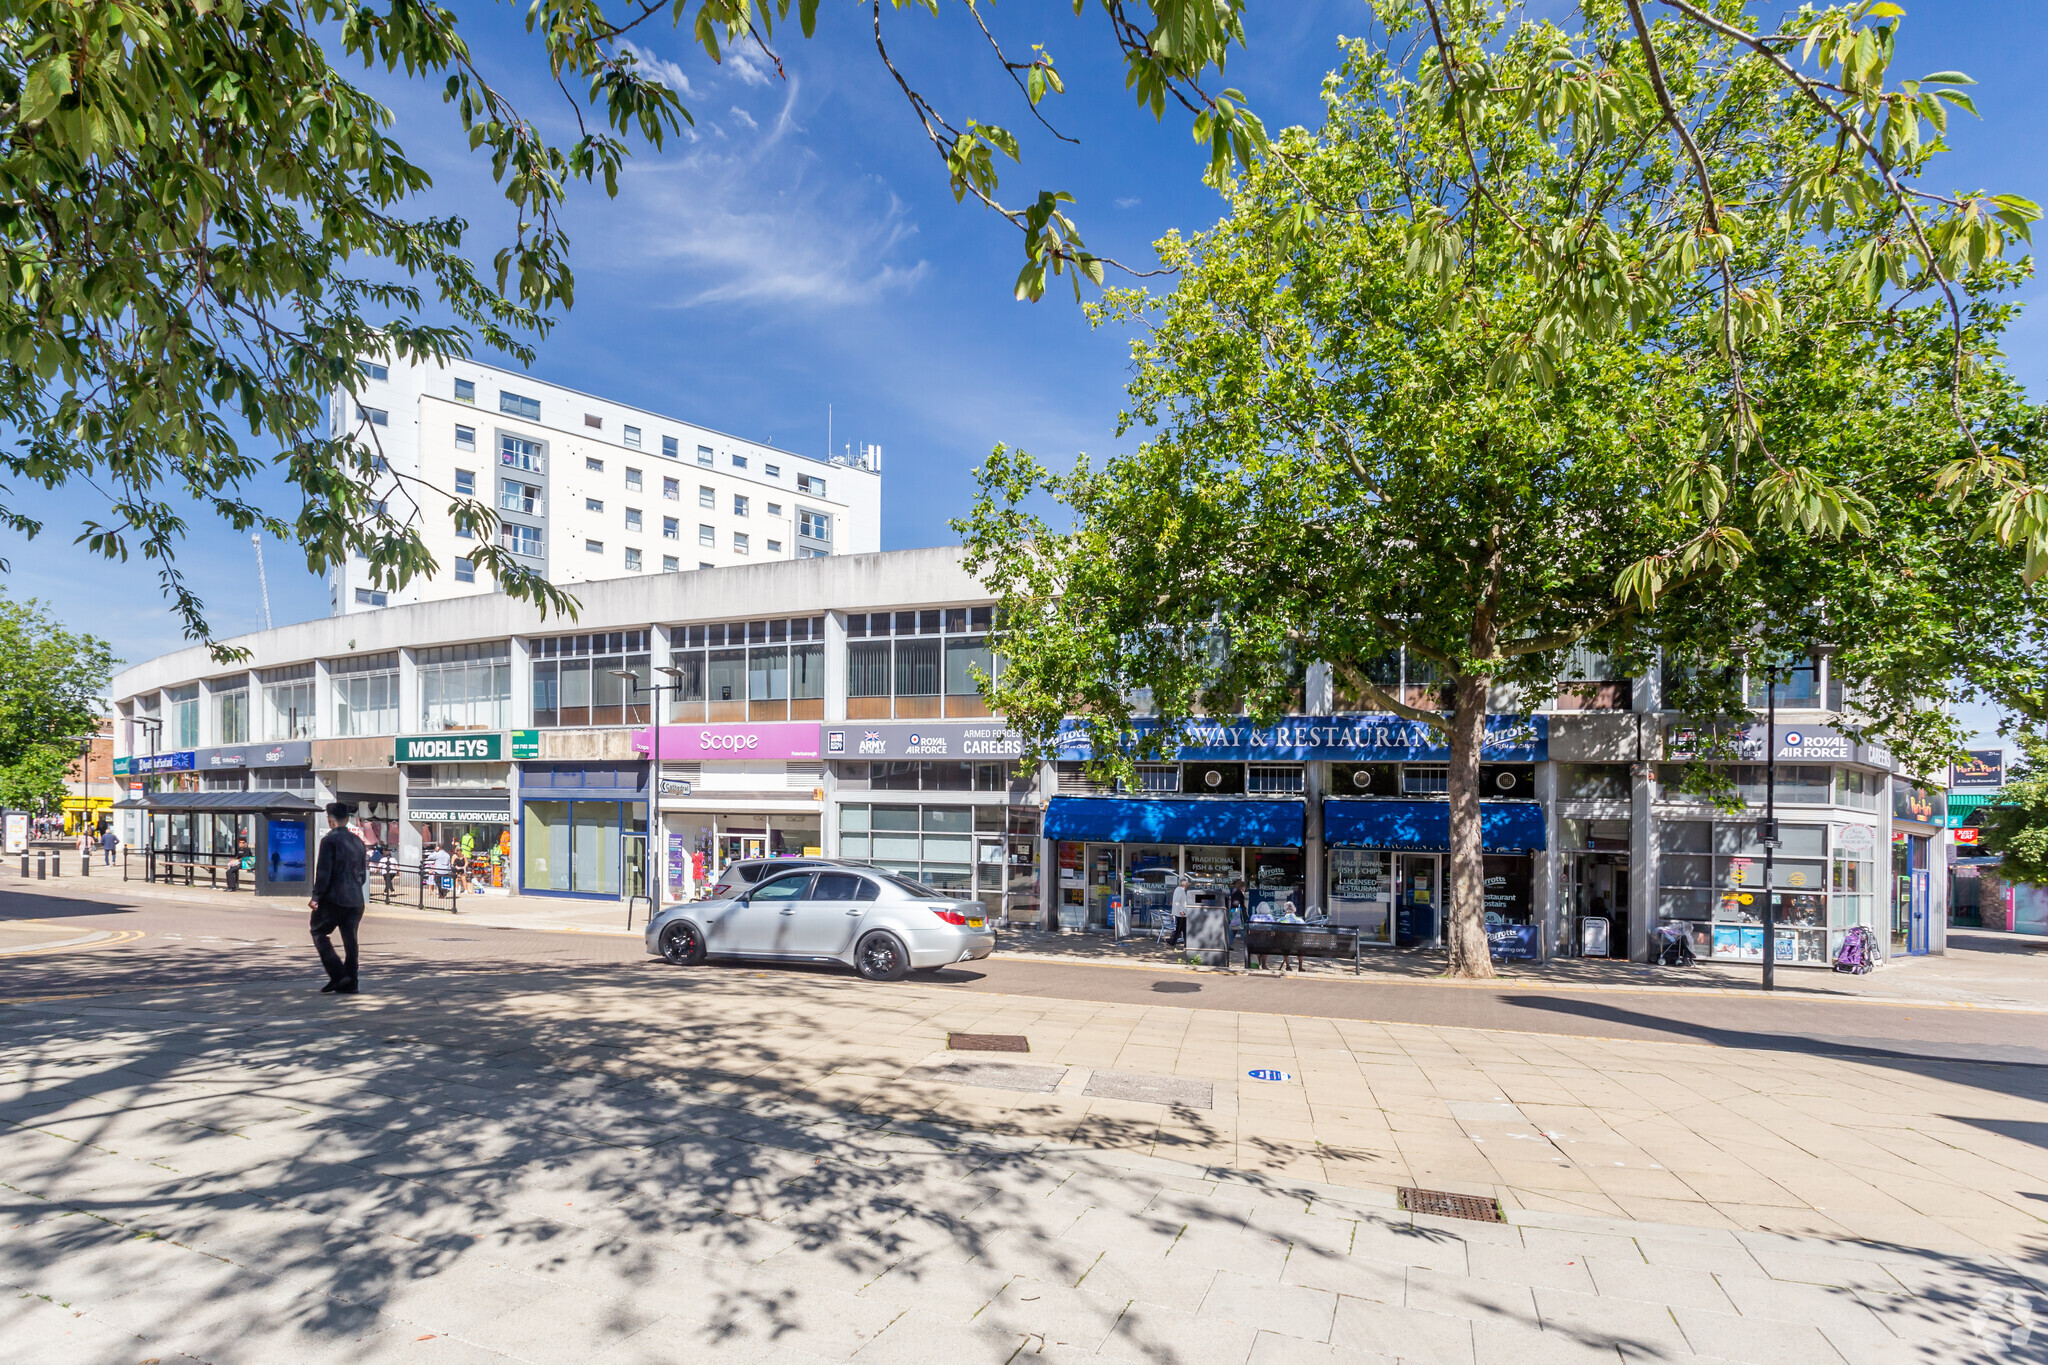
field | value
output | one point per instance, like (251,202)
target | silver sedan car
(880,925)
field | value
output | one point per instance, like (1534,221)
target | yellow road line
(114,939)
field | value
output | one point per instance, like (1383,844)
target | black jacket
(338,880)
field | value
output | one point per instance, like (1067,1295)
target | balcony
(525,506)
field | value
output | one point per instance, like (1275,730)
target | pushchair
(1858,952)
(1677,950)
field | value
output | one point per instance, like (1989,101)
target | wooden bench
(1304,941)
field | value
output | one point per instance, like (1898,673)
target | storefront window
(1273,880)
(1858,789)
(466,687)
(917,665)
(930,775)
(365,694)
(749,670)
(545,839)
(1711,875)
(581,846)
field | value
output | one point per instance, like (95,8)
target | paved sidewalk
(571,1165)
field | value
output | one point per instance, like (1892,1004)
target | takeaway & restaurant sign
(1344,739)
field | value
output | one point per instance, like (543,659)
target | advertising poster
(16,838)
(287,850)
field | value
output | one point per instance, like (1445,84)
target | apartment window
(704,456)
(593,464)
(182,725)
(465,569)
(231,711)
(465,438)
(707,496)
(593,421)
(523,498)
(774,547)
(810,483)
(376,371)
(812,552)
(465,391)
(707,535)
(704,564)
(594,547)
(463,531)
(749,670)
(593,504)
(287,702)
(671,448)
(632,518)
(520,540)
(632,479)
(773,471)
(632,560)
(574,682)
(672,489)
(774,509)
(518,405)
(917,665)
(465,483)
(466,687)
(740,544)
(376,417)
(633,437)
(369,597)
(739,505)
(365,694)
(816,525)
(517,452)
(669,564)
(739,462)
(671,529)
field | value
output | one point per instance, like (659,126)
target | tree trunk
(1465,917)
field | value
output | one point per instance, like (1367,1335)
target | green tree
(2016,824)
(1383,420)
(204,224)
(51,685)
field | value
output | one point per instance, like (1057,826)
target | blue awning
(1504,826)
(1124,820)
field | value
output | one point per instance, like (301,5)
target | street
(543,1145)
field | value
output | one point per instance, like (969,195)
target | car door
(827,919)
(766,922)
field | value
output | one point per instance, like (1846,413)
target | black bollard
(42,874)
(85,864)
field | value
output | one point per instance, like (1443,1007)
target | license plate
(975,923)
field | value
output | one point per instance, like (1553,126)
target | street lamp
(155,727)
(656,718)
(1769,829)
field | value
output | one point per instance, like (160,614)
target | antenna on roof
(262,583)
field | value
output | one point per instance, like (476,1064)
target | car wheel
(682,944)
(881,958)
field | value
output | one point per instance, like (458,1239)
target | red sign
(1967,836)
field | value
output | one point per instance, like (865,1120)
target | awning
(1504,826)
(219,803)
(1123,820)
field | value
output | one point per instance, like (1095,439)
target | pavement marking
(103,938)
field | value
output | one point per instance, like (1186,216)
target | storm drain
(1033,1080)
(1132,1085)
(1444,1204)
(988,1042)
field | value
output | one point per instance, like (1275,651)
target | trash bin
(1209,929)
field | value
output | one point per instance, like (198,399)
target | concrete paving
(580,1164)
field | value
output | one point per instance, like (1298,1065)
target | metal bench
(1304,941)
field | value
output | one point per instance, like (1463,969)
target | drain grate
(988,1042)
(1444,1204)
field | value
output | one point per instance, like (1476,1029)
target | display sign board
(163,763)
(121,767)
(1926,805)
(1984,772)
(287,850)
(293,753)
(1340,739)
(675,786)
(1795,744)
(457,748)
(15,839)
(973,739)
(526,744)
(1968,836)
(713,743)
(462,810)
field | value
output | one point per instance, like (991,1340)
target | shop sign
(675,786)
(163,763)
(460,810)
(1853,838)
(933,739)
(1968,836)
(120,767)
(1984,772)
(487,748)
(699,743)
(1342,739)
(526,744)
(297,753)
(1928,805)
(1796,744)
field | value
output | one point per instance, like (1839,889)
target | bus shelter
(257,841)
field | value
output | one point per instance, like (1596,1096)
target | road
(155,943)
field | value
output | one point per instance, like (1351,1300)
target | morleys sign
(1353,739)
(457,748)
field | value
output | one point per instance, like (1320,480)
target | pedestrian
(109,841)
(245,861)
(337,900)
(439,866)
(1180,910)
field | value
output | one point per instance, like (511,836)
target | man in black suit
(337,901)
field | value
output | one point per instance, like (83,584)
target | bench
(1304,941)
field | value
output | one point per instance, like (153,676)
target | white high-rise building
(586,488)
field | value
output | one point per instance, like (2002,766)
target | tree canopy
(1382,419)
(51,685)
(2016,823)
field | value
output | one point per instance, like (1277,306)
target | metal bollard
(85,864)
(42,863)
(24,864)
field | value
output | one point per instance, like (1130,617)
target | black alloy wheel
(881,958)
(682,945)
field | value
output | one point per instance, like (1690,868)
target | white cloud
(749,66)
(663,70)
(1127,203)
(744,117)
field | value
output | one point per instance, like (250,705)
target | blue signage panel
(287,850)
(162,763)
(1342,739)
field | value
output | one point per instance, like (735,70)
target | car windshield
(917,889)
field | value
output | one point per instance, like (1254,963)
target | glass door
(1417,905)
(1105,881)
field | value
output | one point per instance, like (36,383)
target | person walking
(1180,911)
(109,841)
(337,900)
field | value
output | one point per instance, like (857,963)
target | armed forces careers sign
(981,739)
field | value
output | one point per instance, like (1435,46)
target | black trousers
(341,967)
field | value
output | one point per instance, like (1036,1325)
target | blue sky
(802,249)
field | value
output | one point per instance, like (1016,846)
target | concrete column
(1319,693)
(1547,867)
(1315,884)
(835,666)
(522,684)
(1642,861)
(409,849)
(409,718)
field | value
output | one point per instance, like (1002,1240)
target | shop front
(942,802)
(582,829)
(1108,848)
(1387,870)
(1919,821)
(457,798)
(733,792)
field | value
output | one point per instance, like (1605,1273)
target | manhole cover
(988,1042)
(1131,1085)
(1033,1080)
(1444,1204)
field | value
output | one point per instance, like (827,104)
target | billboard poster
(1984,771)
(286,850)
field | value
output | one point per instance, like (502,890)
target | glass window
(810,483)
(816,525)
(767,675)
(466,687)
(465,390)
(231,715)
(376,417)
(704,456)
(465,570)
(739,462)
(288,706)
(632,518)
(465,483)
(520,540)
(1857,789)
(365,694)
(725,678)
(1274,779)
(917,668)
(671,448)
(595,547)
(183,721)
(671,529)
(1798,681)
(740,543)
(739,505)
(867,669)
(707,535)
(672,489)
(633,481)
(632,435)
(963,656)
(593,464)
(516,452)
(668,564)
(806,672)
(1425,779)
(518,405)
(465,438)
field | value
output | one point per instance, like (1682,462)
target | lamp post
(1768,832)
(656,718)
(155,728)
